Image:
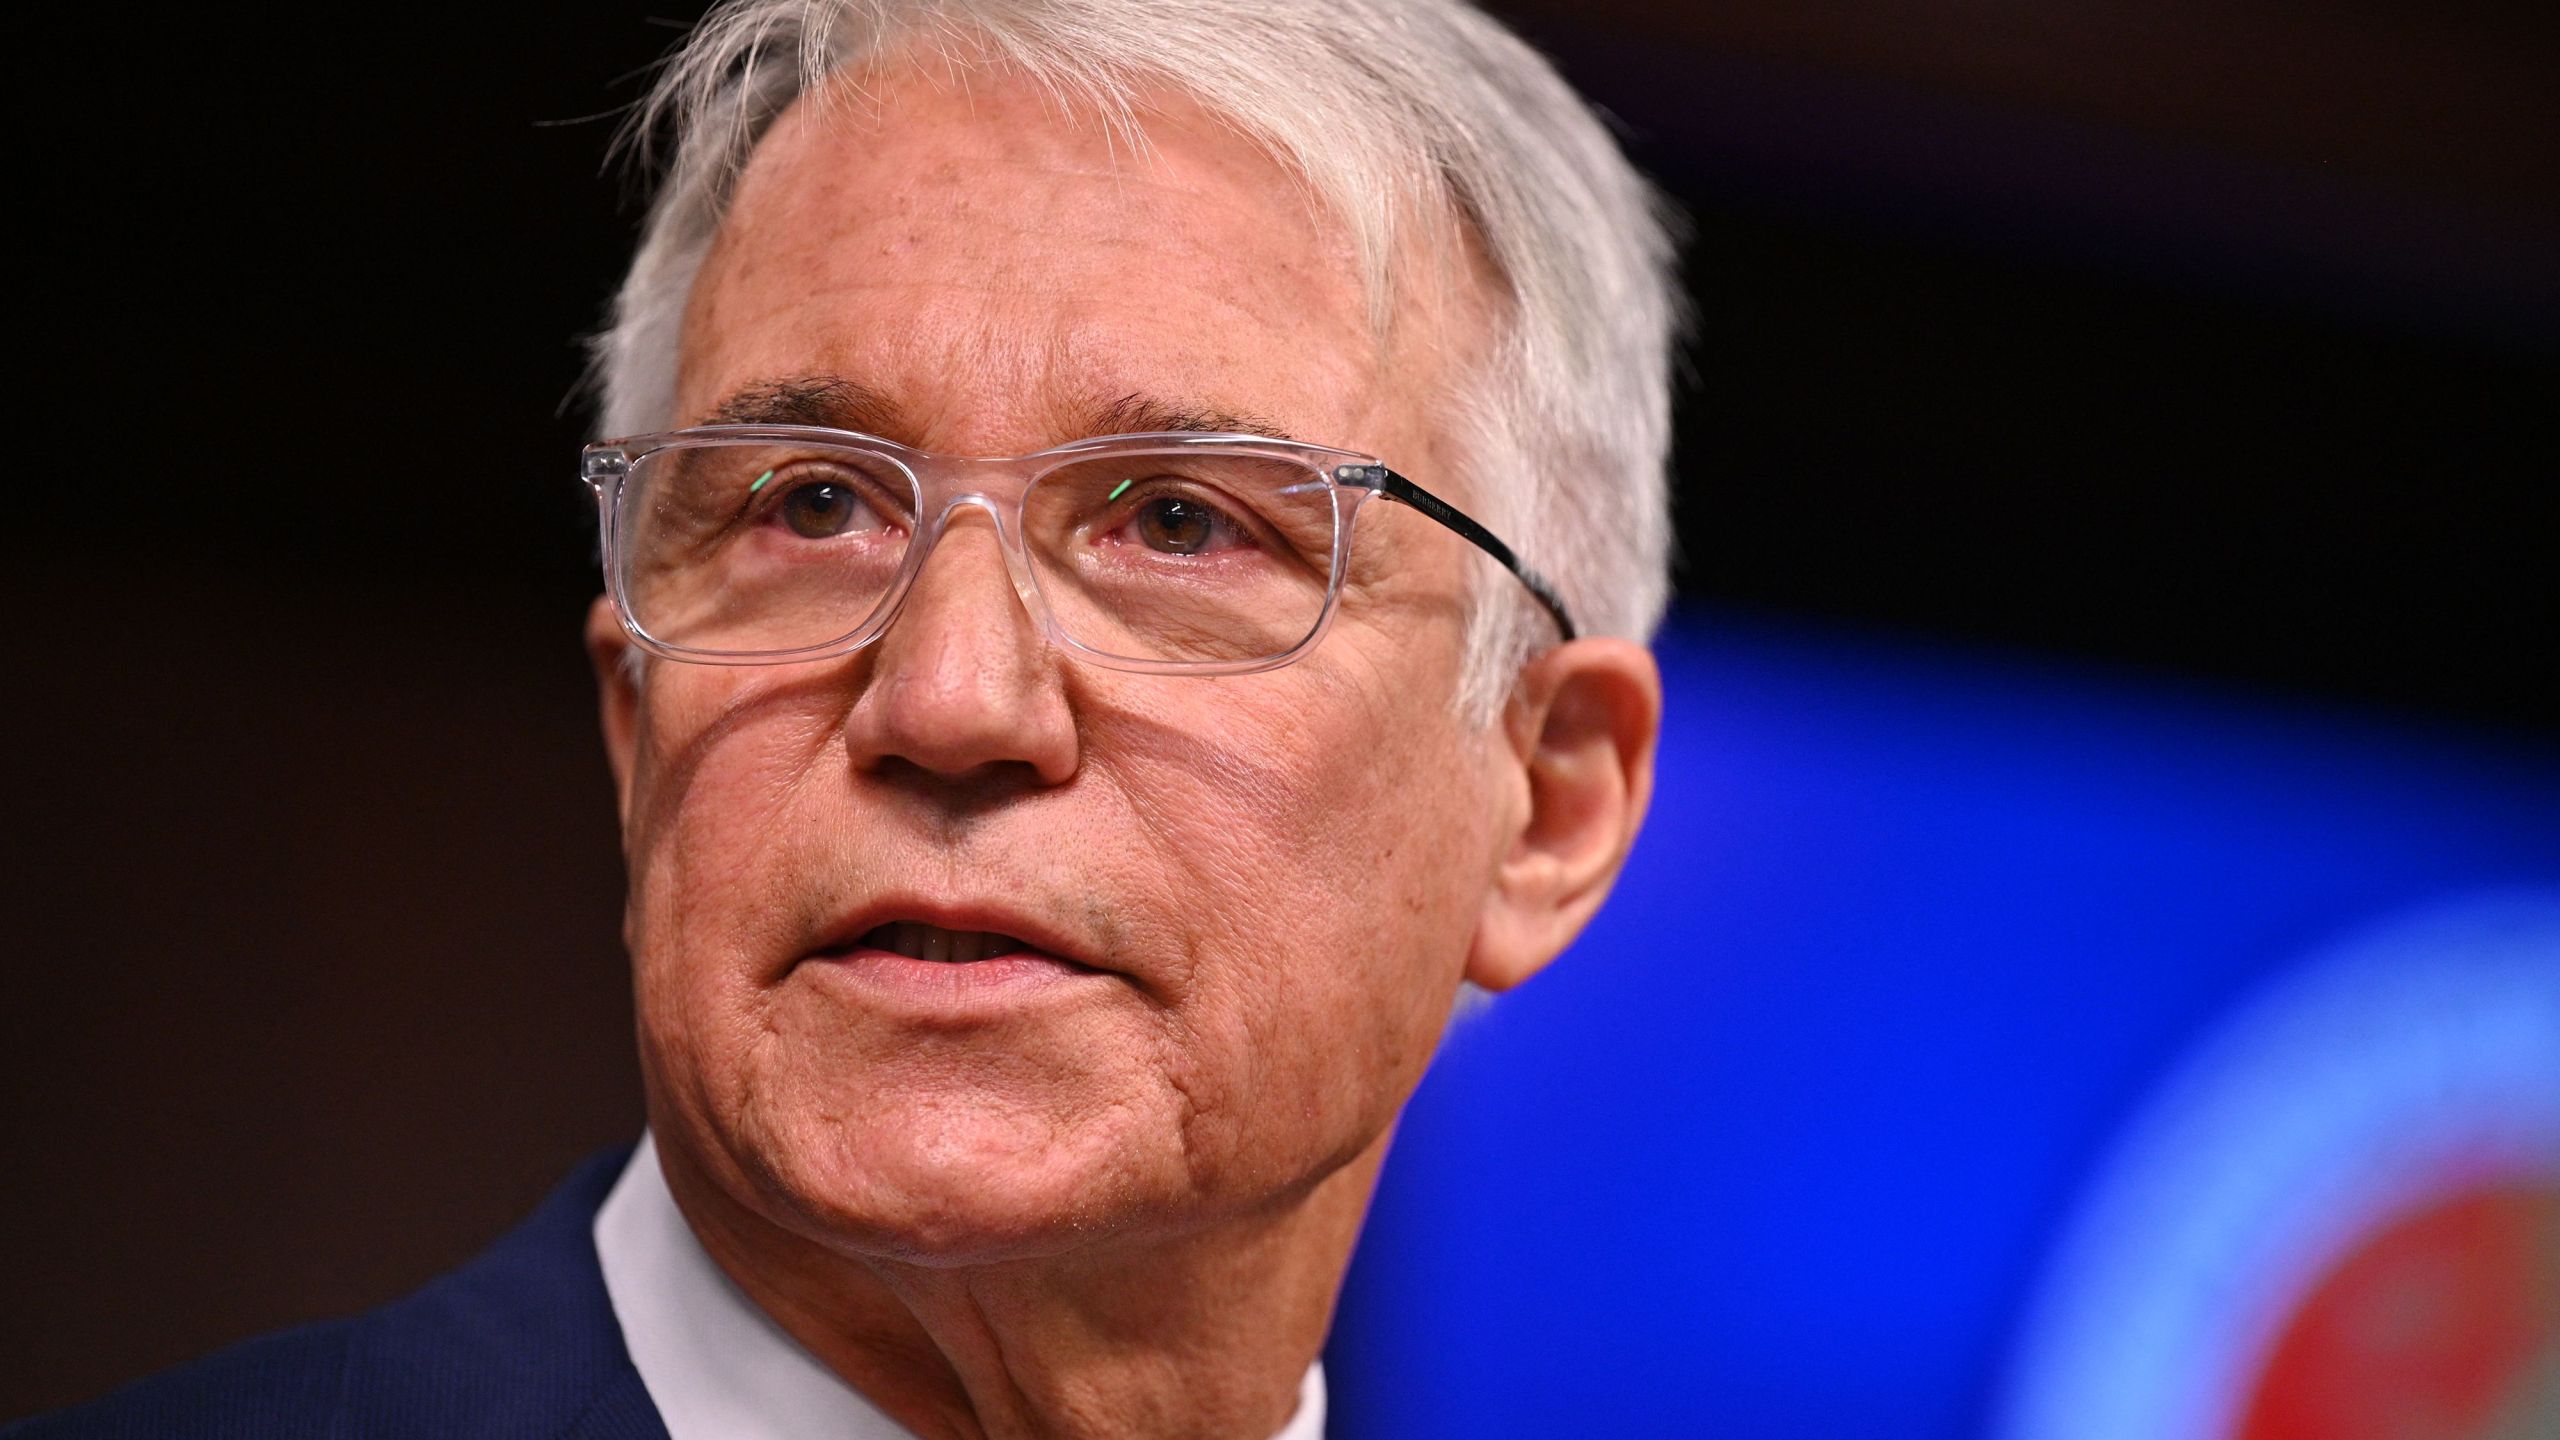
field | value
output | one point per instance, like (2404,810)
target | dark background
(2216,341)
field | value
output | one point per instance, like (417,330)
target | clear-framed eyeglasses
(1211,554)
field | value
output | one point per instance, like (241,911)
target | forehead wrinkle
(1008,382)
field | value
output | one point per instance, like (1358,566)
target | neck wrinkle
(1206,1334)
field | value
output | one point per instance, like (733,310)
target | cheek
(1326,887)
(715,841)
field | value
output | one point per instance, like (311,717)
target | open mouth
(943,947)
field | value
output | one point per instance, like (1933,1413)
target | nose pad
(1008,552)
(1008,547)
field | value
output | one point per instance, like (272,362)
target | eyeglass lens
(742,547)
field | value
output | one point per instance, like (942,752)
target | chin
(967,1183)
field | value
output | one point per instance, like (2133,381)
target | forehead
(997,271)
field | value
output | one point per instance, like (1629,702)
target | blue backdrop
(1785,1147)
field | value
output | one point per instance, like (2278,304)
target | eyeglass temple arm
(1395,487)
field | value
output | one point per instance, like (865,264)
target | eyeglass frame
(607,466)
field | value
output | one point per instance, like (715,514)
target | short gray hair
(1401,116)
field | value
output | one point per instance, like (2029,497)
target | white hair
(1401,116)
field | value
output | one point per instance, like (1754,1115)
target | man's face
(1260,891)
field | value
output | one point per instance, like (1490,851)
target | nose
(963,684)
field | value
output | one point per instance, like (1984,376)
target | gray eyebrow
(828,400)
(1133,413)
(841,404)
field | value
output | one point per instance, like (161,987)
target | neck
(1203,1334)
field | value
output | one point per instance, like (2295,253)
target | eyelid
(890,502)
(1247,527)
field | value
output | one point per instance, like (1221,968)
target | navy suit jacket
(519,1343)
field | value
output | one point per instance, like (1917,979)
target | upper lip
(1039,934)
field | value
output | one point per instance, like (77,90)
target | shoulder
(521,1341)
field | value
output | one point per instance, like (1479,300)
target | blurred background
(2108,848)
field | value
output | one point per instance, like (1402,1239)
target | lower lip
(941,983)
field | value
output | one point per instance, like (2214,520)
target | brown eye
(1177,526)
(821,511)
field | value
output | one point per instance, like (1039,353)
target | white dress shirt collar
(717,1366)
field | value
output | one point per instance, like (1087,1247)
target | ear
(617,694)
(1581,726)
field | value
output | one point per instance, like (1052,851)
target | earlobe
(1583,725)
(617,694)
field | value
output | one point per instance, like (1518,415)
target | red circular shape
(2443,1325)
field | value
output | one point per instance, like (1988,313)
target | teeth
(942,947)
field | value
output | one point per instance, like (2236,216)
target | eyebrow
(1133,414)
(827,400)
(841,404)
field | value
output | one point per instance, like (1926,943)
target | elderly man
(1125,592)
